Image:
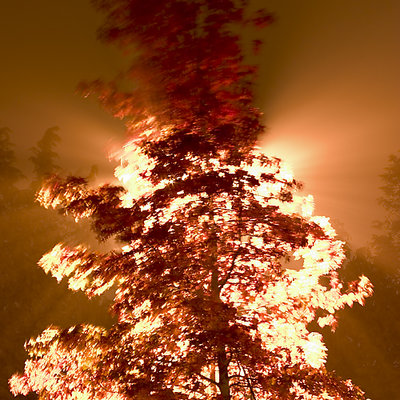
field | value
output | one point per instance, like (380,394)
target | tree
(207,303)
(9,173)
(387,242)
(44,157)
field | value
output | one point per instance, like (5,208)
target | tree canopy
(209,304)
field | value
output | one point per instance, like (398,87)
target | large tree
(208,303)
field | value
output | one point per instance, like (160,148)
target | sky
(328,86)
(331,97)
(47,48)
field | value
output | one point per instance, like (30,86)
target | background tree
(207,305)
(387,242)
(9,173)
(31,301)
(44,157)
(376,326)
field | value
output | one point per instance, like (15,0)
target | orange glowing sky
(329,87)
(331,95)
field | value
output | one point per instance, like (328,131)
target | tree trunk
(222,361)
(223,374)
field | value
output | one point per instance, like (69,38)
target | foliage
(187,70)
(207,303)
(30,300)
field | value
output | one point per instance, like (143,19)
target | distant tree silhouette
(387,241)
(9,173)
(44,157)
(207,305)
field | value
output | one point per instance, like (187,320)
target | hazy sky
(331,96)
(329,87)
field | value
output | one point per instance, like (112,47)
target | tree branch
(229,273)
(246,376)
(207,378)
(237,252)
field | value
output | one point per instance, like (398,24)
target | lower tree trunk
(222,360)
(223,374)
